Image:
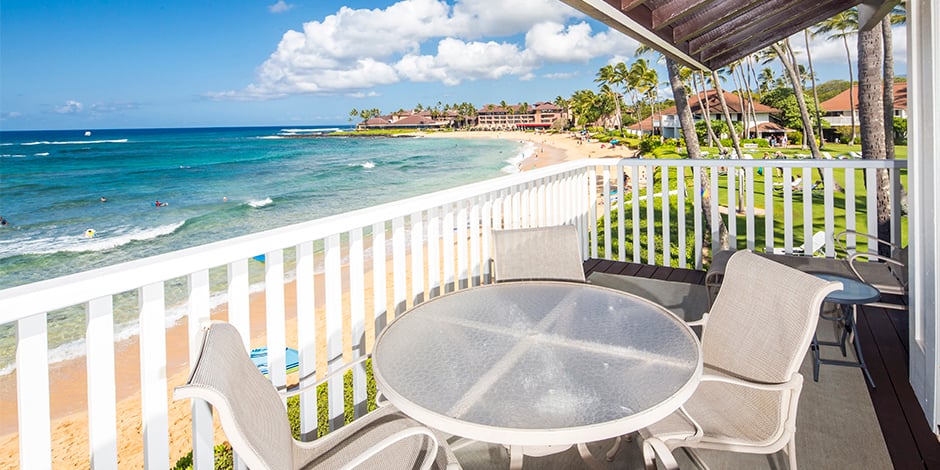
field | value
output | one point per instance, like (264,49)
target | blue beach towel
(260,357)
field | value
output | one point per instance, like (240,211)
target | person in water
(3,222)
(104,199)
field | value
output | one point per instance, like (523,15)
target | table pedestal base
(848,332)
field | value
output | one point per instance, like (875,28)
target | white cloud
(354,50)
(280,7)
(70,107)
(832,51)
(10,115)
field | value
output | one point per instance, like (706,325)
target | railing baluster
(274,308)
(417,258)
(434,252)
(715,216)
(153,396)
(487,228)
(203,457)
(807,210)
(731,174)
(895,191)
(697,214)
(333,295)
(636,214)
(787,210)
(592,212)
(379,272)
(462,261)
(474,228)
(357,317)
(650,216)
(680,216)
(306,337)
(829,211)
(448,248)
(871,207)
(605,200)
(239,298)
(667,226)
(769,241)
(749,207)
(621,217)
(32,392)
(102,415)
(850,214)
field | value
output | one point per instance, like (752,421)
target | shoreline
(68,388)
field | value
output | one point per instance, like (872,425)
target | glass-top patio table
(537,363)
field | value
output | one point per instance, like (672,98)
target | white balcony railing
(375,263)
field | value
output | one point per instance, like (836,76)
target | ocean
(212,184)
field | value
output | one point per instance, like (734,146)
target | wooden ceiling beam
(701,21)
(760,12)
(722,56)
(676,10)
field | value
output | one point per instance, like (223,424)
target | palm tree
(812,76)
(842,26)
(765,80)
(643,79)
(712,138)
(691,144)
(897,16)
(784,52)
(611,78)
(871,115)
(727,114)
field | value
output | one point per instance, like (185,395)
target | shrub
(795,138)
(648,143)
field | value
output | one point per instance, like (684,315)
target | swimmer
(90,233)
(3,222)
(103,199)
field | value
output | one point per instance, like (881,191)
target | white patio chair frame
(659,443)
(260,455)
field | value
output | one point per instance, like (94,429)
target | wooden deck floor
(884,337)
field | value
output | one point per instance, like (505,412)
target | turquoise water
(217,184)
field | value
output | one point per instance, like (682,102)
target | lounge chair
(754,340)
(255,421)
(546,253)
(816,244)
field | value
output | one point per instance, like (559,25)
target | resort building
(541,115)
(410,120)
(837,111)
(666,122)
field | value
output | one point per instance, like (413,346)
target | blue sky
(102,64)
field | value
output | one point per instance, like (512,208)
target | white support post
(99,359)
(274,305)
(667,226)
(153,396)
(333,295)
(32,391)
(357,317)
(307,338)
(203,456)
(379,271)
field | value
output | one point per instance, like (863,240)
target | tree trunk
(812,77)
(691,142)
(871,119)
(708,115)
(727,114)
(848,56)
(889,98)
(790,66)
(888,95)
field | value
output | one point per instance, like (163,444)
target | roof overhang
(709,34)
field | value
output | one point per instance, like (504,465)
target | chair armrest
(871,256)
(394,438)
(841,236)
(342,370)
(788,385)
(655,449)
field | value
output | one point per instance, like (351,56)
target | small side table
(853,293)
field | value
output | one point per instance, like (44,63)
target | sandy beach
(67,378)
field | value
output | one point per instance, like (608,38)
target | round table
(537,363)
(853,293)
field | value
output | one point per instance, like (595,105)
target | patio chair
(254,419)
(753,342)
(545,253)
(816,244)
(888,274)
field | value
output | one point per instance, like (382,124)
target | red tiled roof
(840,102)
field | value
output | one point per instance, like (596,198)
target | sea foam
(76,142)
(78,243)
(260,203)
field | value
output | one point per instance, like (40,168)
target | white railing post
(306,338)
(333,294)
(417,258)
(32,392)
(667,225)
(153,398)
(203,456)
(99,357)
(357,317)
(379,271)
